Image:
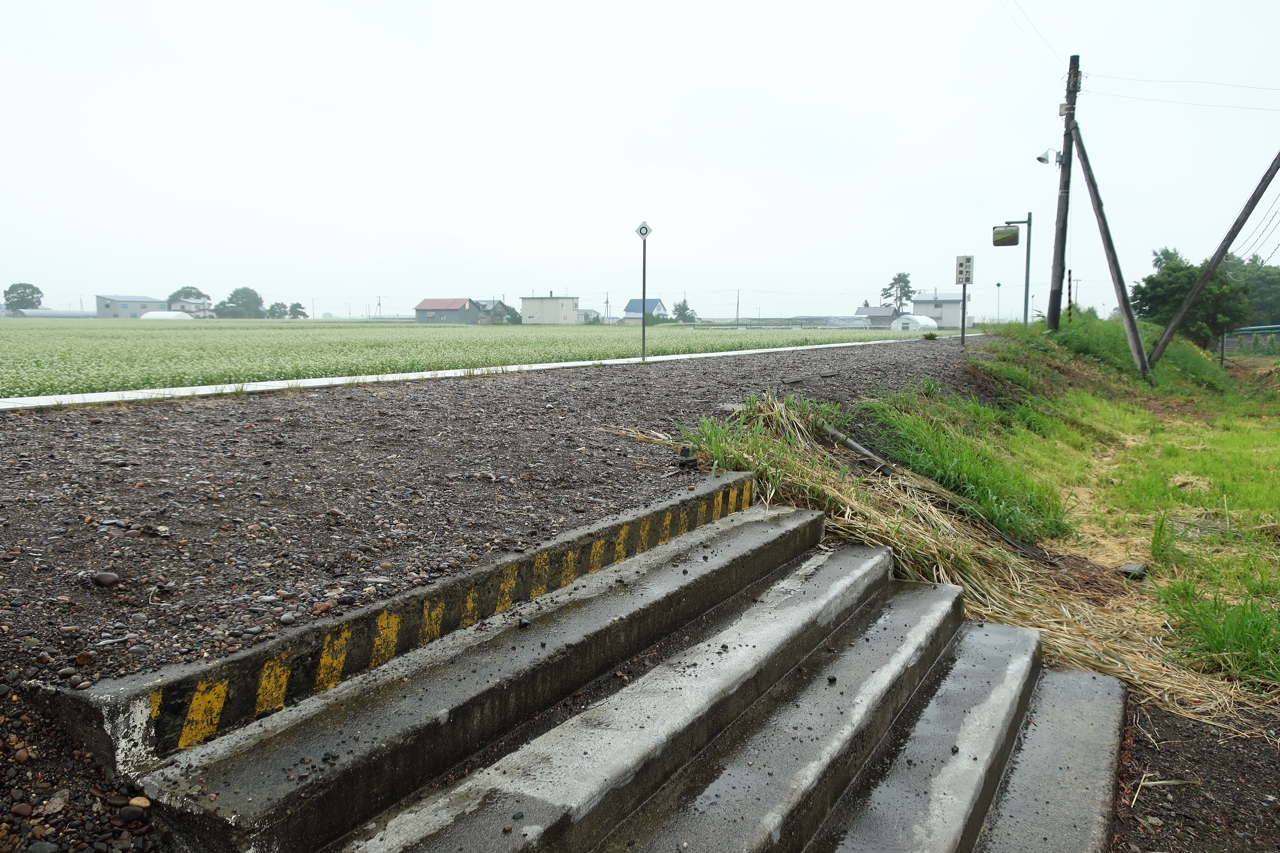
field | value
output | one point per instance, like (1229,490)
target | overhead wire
(1183,103)
(1037,29)
(1031,41)
(1185,82)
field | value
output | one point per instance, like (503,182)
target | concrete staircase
(709,678)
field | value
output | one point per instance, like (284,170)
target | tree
(866,303)
(1264,287)
(1160,257)
(187,292)
(1224,304)
(683,313)
(898,292)
(243,303)
(277,311)
(22,295)
(296,312)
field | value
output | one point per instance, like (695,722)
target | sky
(790,158)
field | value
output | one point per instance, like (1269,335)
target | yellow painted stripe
(384,645)
(733,500)
(155,703)
(643,544)
(620,549)
(541,568)
(597,556)
(469,610)
(746,495)
(203,713)
(664,532)
(507,587)
(568,570)
(716,506)
(684,522)
(702,513)
(431,618)
(332,656)
(272,684)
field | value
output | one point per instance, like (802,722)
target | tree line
(1241,293)
(243,303)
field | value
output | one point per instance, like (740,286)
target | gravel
(136,536)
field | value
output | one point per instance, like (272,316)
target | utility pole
(1113,262)
(737,310)
(1212,266)
(1068,111)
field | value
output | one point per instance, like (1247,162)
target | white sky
(802,153)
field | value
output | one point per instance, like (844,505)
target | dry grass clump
(1087,620)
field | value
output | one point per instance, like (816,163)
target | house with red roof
(461,311)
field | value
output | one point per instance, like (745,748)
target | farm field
(83,356)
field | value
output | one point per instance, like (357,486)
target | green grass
(1191,467)
(949,440)
(79,356)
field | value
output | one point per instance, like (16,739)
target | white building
(549,310)
(194,307)
(942,308)
(124,307)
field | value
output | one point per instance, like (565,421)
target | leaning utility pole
(1068,110)
(1113,262)
(1211,267)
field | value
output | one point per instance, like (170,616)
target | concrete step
(929,785)
(132,721)
(1059,789)
(767,782)
(567,789)
(306,775)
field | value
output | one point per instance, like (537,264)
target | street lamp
(1057,156)
(1026,295)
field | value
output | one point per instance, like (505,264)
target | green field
(40,357)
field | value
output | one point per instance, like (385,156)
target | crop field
(40,357)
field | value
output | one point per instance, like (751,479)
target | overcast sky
(801,153)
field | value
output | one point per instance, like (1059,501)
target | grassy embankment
(1064,451)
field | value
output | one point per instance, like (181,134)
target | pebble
(129,814)
(106,579)
(288,618)
(140,802)
(66,672)
(21,809)
(42,847)
(255,630)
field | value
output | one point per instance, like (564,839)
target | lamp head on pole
(1056,154)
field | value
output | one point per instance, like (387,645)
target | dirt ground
(1202,787)
(136,536)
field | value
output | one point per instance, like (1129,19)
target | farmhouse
(463,311)
(128,306)
(495,312)
(651,306)
(549,310)
(878,316)
(944,308)
(195,307)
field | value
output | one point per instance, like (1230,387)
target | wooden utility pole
(1212,266)
(1054,311)
(1122,294)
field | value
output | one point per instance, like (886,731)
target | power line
(1030,41)
(1186,82)
(1037,29)
(1182,103)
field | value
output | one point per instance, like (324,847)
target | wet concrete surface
(929,788)
(767,782)
(604,762)
(312,772)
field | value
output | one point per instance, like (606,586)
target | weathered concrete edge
(53,401)
(132,721)
(683,714)
(1034,781)
(411,749)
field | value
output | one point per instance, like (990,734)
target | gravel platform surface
(139,535)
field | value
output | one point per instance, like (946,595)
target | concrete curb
(374,739)
(144,394)
(133,721)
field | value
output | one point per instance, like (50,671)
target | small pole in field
(644,231)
